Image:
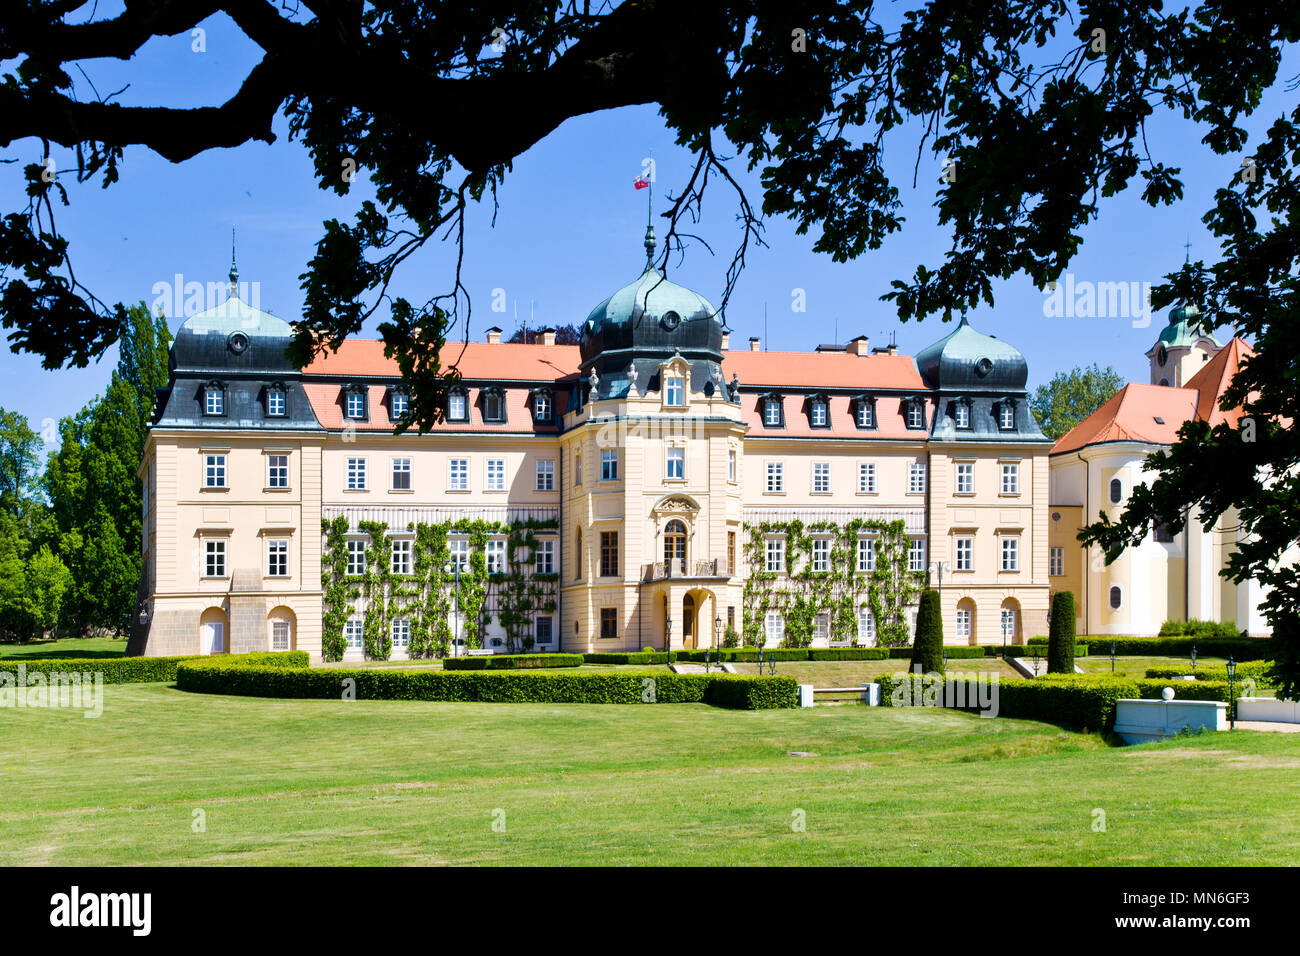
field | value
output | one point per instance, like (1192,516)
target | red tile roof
(1132,413)
(822,370)
(502,361)
(327,402)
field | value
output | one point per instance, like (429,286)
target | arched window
(1116,598)
(1116,491)
(675,546)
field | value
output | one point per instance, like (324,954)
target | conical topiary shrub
(1060,640)
(927,649)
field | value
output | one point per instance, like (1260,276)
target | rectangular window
(577,467)
(866,627)
(1010,554)
(214,401)
(458,474)
(544,630)
(352,634)
(965,478)
(675,467)
(866,477)
(609,465)
(398,404)
(214,559)
(774,627)
(821,478)
(866,554)
(546,474)
(279,635)
(821,554)
(865,415)
(771,412)
(401,561)
(609,622)
(214,471)
(544,558)
(457,407)
(915,415)
(1006,415)
(356,405)
(1056,562)
(822,627)
(916,555)
(775,555)
(401,633)
(277,558)
(963,623)
(916,478)
(494,407)
(820,416)
(609,554)
(731,552)
(277,471)
(775,477)
(731,465)
(675,391)
(1010,479)
(356,557)
(496,474)
(401,474)
(458,549)
(542,406)
(275,402)
(962,415)
(356,474)
(496,555)
(965,554)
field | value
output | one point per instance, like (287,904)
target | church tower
(1181,350)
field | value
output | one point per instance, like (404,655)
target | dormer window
(354,402)
(276,401)
(1007,415)
(399,404)
(819,412)
(773,413)
(864,412)
(457,405)
(214,399)
(674,391)
(494,405)
(914,413)
(543,405)
(961,414)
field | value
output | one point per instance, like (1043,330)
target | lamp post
(1112,657)
(1193,658)
(453,568)
(668,633)
(1232,697)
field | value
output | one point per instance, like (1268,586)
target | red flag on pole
(640,183)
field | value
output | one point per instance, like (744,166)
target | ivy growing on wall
(427,596)
(801,593)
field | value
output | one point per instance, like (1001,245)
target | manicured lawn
(66,647)
(387,782)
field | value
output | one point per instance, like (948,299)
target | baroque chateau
(654,486)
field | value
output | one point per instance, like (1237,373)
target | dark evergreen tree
(927,649)
(1060,640)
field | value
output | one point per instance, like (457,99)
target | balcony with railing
(678,568)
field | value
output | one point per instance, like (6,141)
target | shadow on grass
(41,650)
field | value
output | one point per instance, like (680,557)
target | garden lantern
(1232,701)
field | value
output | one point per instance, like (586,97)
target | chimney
(860,346)
(726,341)
(494,336)
(548,336)
(754,343)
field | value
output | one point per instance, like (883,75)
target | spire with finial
(650,229)
(234,270)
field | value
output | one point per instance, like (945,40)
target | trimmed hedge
(1209,630)
(630,657)
(1027,650)
(147,670)
(1240,648)
(1078,701)
(721,690)
(510,662)
(1250,670)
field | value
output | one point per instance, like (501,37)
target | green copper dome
(966,359)
(1179,331)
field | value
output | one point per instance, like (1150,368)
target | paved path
(1274,725)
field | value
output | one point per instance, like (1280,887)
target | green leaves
(1072,396)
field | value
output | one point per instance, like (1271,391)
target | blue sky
(568,233)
